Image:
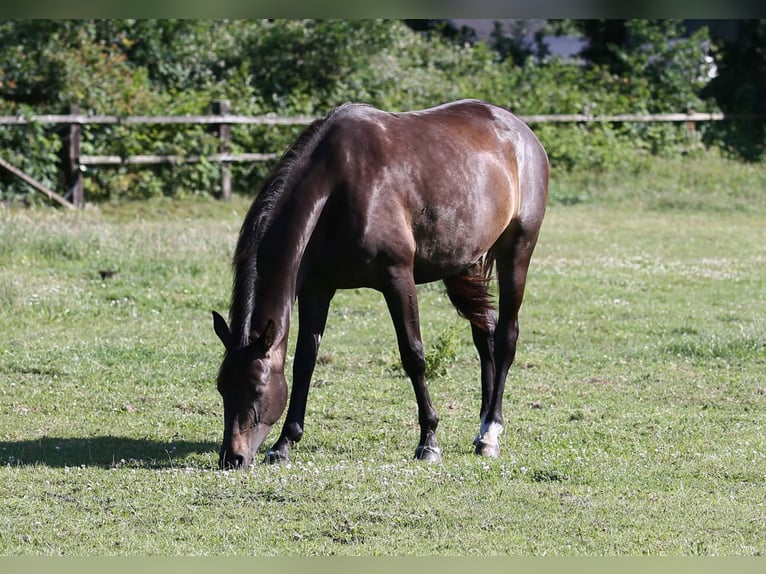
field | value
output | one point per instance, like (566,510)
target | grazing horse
(368,198)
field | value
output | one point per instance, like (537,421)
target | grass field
(635,413)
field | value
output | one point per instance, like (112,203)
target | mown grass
(634,413)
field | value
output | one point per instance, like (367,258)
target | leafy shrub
(442,354)
(306,67)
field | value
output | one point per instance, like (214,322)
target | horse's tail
(469,293)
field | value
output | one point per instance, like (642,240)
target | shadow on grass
(105,451)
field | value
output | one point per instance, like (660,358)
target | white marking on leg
(489,434)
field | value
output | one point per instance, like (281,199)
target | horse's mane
(257,222)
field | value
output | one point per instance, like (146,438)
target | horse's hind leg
(483,340)
(469,293)
(511,274)
(402,300)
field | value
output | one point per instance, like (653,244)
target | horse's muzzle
(239,449)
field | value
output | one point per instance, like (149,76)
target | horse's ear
(221,329)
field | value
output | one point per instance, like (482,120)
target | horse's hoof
(487,450)
(428,453)
(276,457)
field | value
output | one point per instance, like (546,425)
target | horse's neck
(280,257)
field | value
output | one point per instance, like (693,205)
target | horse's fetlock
(293,432)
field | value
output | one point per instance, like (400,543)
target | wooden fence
(221,120)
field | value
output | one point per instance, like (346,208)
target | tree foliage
(154,67)
(740,87)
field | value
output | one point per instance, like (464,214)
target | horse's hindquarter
(432,189)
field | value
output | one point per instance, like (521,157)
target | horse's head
(252,383)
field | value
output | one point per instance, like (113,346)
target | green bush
(306,67)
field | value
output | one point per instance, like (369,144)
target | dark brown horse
(367,198)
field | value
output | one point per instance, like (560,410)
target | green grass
(635,412)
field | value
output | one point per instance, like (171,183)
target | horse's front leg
(313,306)
(402,300)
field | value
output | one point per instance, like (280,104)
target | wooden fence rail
(221,121)
(75,162)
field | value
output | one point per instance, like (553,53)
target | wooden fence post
(691,126)
(71,155)
(223,108)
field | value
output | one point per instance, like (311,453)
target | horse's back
(438,186)
(431,146)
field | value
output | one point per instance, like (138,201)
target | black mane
(257,222)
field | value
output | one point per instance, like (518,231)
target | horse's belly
(353,246)
(448,248)
(434,264)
